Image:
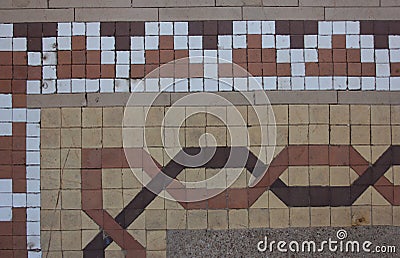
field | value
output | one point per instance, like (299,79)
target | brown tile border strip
(236,98)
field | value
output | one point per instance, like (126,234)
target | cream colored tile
(319,114)
(361,215)
(112,199)
(298,134)
(50,219)
(217,219)
(339,114)
(112,137)
(71,138)
(50,117)
(281,113)
(380,115)
(380,135)
(71,240)
(50,199)
(238,219)
(299,217)
(51,241)
(360,134)
(340,216)
(71,220)
(237,115)
(396,215)
(92,138)
(92,117)
(279,218)
(71,179)
(154,116)
(396,135)
(395,114)
(339,176)
(298,114)
(71,199)
(319,134)
(319,175)
(112,178)
(71,158)
(258,218)
(112,116)
(197,219)
(156,219)
(340,134)
(360,114)
(382,215)
(50,158)
(50,138)
(50,179)
(176,219)
(156,240)
(298,176)
(71,117)
(320,216)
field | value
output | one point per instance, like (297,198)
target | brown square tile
(93,57)
(282,27)
(19,172)
(394,69)
(20,30)
(18,143)
(64,57)
(381,41)
(18,86)
(151,70)
(368,69)
(366,27)
(254,41)
(6,157)
(78,71)
(254,55)
(92,199)
(325,69)
(310,27)
(297,41)
(35,44)
(239,55)
(210,28)
(19,228)
(19,129)
(167,69)
(181,71)
(237,198)
(35,30)
(152,57)
(19,100)
(354,69)
(218,202)
(224,70)
(312,69)
(122,28)
(255,69)
(225,27)
(78,42)
(6,58)
(5,171)
(268,55)
(381,27)
(166,42)
(35,73)
(123,43)
(111,158)
(93,71)
(107,28)
(18,157)
(340,69)
(91,158)
(91,179)
(195,28)
(298,155)
(338,41)
(107,71)
(5,86)
(339,56)
(19,242)
(210,42)
(19,186)
(318,155)
(6,144)
(181,54)
(64,71)
(50,29)
(283,69)
(353,55)
(339,155)
(296,27)
(19,214)
(20,58)
(166,56)
(6,72)
(137,28)
(137,71)
(20,72)
(325,55)
(240,70)
(78,57)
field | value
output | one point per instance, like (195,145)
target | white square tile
(225,84)
(368,83)
(282,41)
(268,27)
(151,42)
(78,85)
(367,41)
(5,44)
(33,158)
(107,57)
(33,116)
(5,129)
(106,85)
(210,71)
(5,185)
(270,83)
(394,41)
(283,56)
(5,213)
(64,43)
(195,42)
(32,143)
(181,28)
(324,41)
(395,83)
(34,243)
(298,83)
(239,41)
(49,44)
(33,186)
(239,28)
(166,84)
(152,85)
(137,57)
(395,55)
(123,57)
(181,42)
(352,41)
(122,71)
(49,58)
(34,58)
(182,85)
(312,83)
(382,83)
(151,28)
(325,83)
(34,254)
(268,41)
(310,41)
(63,86)
(33,130)
(64,29)
(122,85)
(240,84)
(382,56)
(19,44)
(33,200)
(297,55)
(298,69)
(6,30)
(6,199)
(5,100)
(196,84)
(49,86)
(225,55)
(49,72)
(137,43)
(339,27)
(310,55)
(107,43)
(255,83)
(92,85)
(196,56)
(354,83)
(382,70)
(78,29)
(32,228)
(225,42)
(284,83)
(325,28)
(93,43)
(210,56)
(137,85)
(254,27)
(340,83)
(33,172)
(352,27)
(5,115)
(166,28)
(33,87)
(93,29)
(19,114)
(19,200)
(367,56)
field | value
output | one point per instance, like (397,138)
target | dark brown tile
(64,57)
(64,71)
(225,27)
(166,56)
(19,100)
(35,44)
(255,69)
(318,155)
(297,41)
(283,69)
(122,29)
(210,42)
(107,28)
(92,199)
(93,71)
(111,158)
(210,28)
(137,28)
(237,198)
(5,86)
(296,27)
(6,72)
(381,41)
(93,57)
(310,27)
(195,28)
(20,58)
(366,27)
(239,55)
(6,58)
(394,27)
(394,69)
(152,57)
(35,30)
(107,71)
(20,30)
(282,28)
(122,43)
(381,27)
(35,73)
(50,29)
(91,179)
(20,72)
(325,55)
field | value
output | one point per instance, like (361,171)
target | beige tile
(112,137)
(71,199)
(238,218)
(282,135)
(51,219)
(71,158)
(71,117)
(360,134)
(133,137)
(154,116)
(49,158)
(377,151)
(217,219)
(319,175)
(364,13)
(319,134)
(395,114)
(112,199)
(50,179)
(298,176)
(382,215)
(283,13)
(298,114)
(395,134)
(281,113)
(51,241)
(299,217)
(139,223)
(156,254)
(360,114)
(71,179)
(92,117)
(128,195)
(262,202)
(298,134)
(236,115)
(156,219)
(320,216)
(71,220)
(339,114)
(361,215)
(380,115)
(380,135)
(279,218)
(195,116)
(112,178)
(176,219)
(219,134)
(92,138)
(158,203)
(319,114)
(340,134)
(275,202)
(197,219)
(365,198)
(378,199)
(90,3)
(340,216)
(71,137)
(116,14)
(131,178)
(258,218)
(339,176)
(49,199)
(193,135)
(112,116)
(396,216)
(73,254)
(336,3)
(88,224)
(71,240)
(201,13)
(133,116)
(50,117)
(50,138)
(156,240)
